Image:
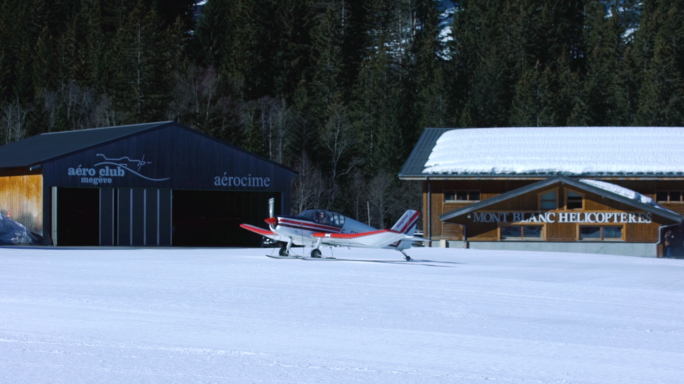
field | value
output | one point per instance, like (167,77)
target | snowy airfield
(236,316)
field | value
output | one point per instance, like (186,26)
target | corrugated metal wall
(22,198)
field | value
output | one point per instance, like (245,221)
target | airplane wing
(263,232)
(374,239)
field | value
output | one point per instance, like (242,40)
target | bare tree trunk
(358,190)
(14,121)
(381,196)
(309,187)
(339,140)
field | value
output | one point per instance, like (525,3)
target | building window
(600,233)
(521,232)
(669,196)
(574,200)
(462,196)
(548,200)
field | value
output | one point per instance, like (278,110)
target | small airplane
(317,227)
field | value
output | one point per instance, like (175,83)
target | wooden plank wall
(453,230)
(487,188)
(22,197)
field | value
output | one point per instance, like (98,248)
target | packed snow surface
(564,150)
(236,316)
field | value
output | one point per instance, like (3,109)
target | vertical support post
(429,212)
(145,216)
(171,217)
(54,215)
(130,217)
(99,192)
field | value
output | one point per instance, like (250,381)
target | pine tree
(172,11)
(377,107)
(661,96)
(535,103)
(141,69)
(247,53)
(292,59)
(326,50)
(325,88)
(376,112)
(481,85)
(212,27)
(603,94)
(426,103)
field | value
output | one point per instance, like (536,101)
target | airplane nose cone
(271,221)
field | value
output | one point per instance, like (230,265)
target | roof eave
(566,180)
(162,124)
(529,176)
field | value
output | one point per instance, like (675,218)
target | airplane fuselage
(300,229)
(320,227)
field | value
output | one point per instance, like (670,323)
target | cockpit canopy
(324,217)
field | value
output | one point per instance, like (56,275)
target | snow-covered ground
(235,316)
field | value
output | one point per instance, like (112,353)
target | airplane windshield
(310,214)
(324,217)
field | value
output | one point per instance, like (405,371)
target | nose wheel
(285,248)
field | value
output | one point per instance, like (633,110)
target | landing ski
(321,258)
(283,257)
(359,260)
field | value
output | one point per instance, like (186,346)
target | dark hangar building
(155,184)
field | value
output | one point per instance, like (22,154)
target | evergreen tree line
(340,90)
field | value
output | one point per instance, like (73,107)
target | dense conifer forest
(340,90)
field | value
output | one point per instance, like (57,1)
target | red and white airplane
(317,227)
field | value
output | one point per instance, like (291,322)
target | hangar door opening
(78,216)
(213,218)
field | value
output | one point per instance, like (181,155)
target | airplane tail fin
(407,222)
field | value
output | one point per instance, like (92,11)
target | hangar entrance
(213,218)
(78,216)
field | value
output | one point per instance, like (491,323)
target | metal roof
(566,180)
(46,146)
(415,163)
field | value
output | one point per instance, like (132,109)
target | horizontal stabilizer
(415,238)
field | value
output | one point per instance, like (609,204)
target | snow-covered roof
(559,150)
(622,191)
(618,190)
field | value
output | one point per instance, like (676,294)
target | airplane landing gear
(285,248)
(315,252)
(408,258)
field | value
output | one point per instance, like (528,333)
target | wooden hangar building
(156,184)
(567,189)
